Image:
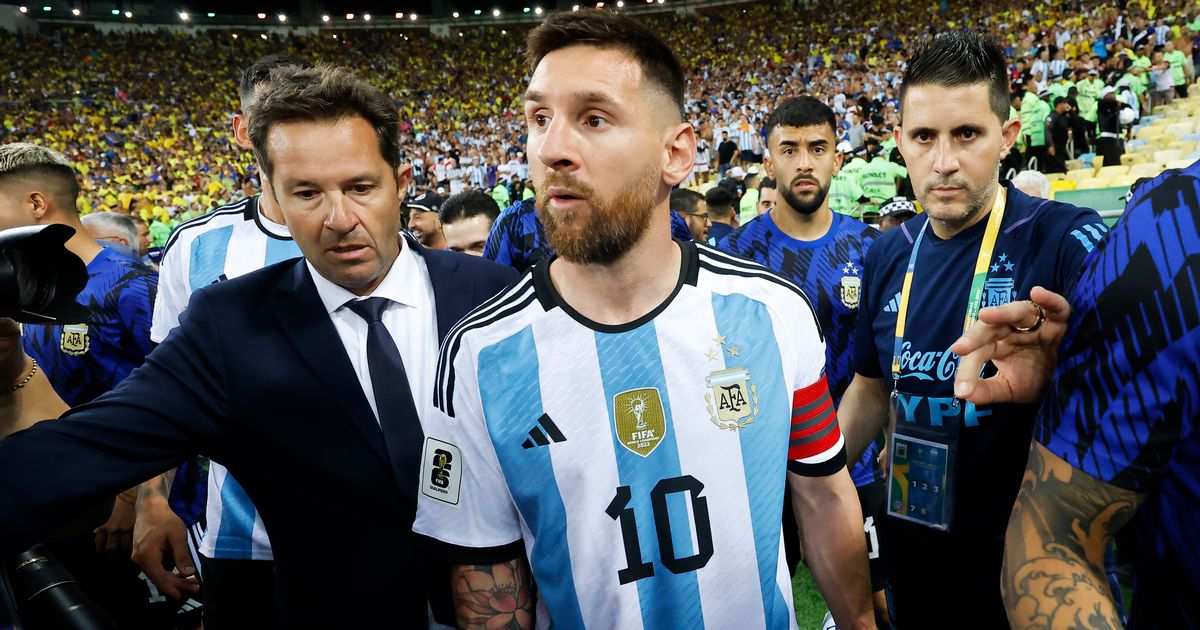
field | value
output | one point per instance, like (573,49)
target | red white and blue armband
(816,447)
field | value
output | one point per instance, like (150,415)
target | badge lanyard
(974,298)
(921,486)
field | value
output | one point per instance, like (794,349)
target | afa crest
(74,340)
(732,399)
(850,288)
(639,419)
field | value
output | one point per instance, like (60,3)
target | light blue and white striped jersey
(226,243)
(642,466)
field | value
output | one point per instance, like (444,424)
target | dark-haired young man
(767,196)
(467,220)
(690,204)
(955,467)
(721,213)
(805,241)
(635,467)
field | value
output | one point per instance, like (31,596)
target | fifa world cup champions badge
(640,419)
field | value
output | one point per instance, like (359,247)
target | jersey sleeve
(815,445)
(174,291)
(1123,399)
(866,353)
(463,502)
(1083,234)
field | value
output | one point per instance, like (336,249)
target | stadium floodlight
(455,14)
(620,4)
(412,16)
(26,10)
(537,10)
(525,10)
(282,17)
(478,12)
(211,14)
(599,5)
(324,18)
(575,8)
(349,16)
(399,15)
(262,16)
(495,12)
(47,8)
(262,35)
(114,11)
(460,33)
(503,32)
(235,35)
(184,16)
(75,12)
(129,15)
(366,17)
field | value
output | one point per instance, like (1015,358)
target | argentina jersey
(641,467)
(228,242)
(1122,407)
(829,271)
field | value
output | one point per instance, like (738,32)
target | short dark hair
(260,71)
(802,111)
(468,204)
(767,183)
(24,161)
(685,201)
(718,197)
(319,94)
(605,29)
(956,58)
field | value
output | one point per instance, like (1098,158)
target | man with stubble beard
(634,467)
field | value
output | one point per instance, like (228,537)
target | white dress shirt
(410,319)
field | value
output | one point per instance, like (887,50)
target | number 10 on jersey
(620,511)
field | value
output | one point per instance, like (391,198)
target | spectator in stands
(467,220)
(748,204)
(1059,127)
(726,151)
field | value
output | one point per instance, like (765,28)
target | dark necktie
(393,396)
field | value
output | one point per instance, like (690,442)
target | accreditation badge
(921,473)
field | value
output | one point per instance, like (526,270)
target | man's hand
(1024,361)
(116,535)
(160,538)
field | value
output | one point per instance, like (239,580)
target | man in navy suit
(307,379)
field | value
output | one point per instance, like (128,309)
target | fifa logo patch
(731,399)
(639,419)
(74,340)
(441,471)
(850,288)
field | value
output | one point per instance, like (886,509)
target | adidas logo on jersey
(894,305)
(538,438)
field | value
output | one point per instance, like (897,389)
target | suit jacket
(256,378)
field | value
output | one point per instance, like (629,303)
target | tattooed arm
(1063,520)
(493,596)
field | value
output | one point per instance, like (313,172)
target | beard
(608,229)
(798,203)
(952,215)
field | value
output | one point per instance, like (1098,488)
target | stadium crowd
(775,145)
(149,128)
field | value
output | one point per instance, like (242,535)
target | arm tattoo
(159,486)
(1062,523)
(493,595)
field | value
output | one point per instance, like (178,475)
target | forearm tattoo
(493,596)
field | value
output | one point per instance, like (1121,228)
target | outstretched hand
(1024,361)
